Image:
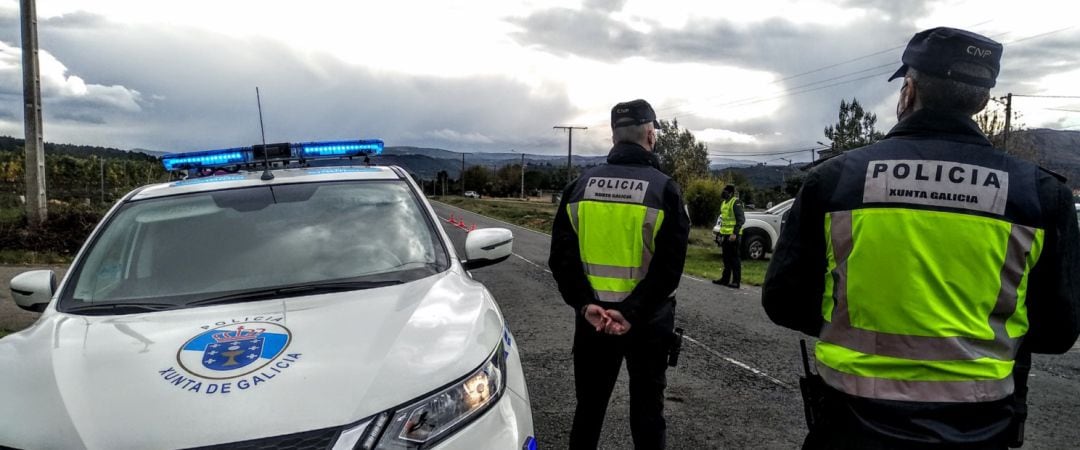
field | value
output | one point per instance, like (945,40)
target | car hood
(158,380)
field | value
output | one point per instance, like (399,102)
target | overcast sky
(747,78)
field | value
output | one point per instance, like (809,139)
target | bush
(63,232)
(703,200)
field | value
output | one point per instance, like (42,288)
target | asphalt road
(736,384)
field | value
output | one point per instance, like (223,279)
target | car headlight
(423,423)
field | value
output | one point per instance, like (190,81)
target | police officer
(617,250)
(928,264)
(731,223)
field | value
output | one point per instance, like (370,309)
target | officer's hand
(731,238)
(617,325)
(597,317)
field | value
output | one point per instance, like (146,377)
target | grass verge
(703,259)
(8,256)
(533,215)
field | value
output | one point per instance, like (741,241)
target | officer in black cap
(929,265)
(617,250)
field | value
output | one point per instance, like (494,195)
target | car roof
(281,176)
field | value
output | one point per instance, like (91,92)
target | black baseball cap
(937,50)
(634,112)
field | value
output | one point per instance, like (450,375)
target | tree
(681,156)
(854,129)
(703,199)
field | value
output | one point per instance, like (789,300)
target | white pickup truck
(761,230)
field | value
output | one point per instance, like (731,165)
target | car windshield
(187,249)
(779,208)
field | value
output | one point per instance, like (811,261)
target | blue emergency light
(248,156)
(207,158)
(312,150)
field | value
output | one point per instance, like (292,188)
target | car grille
(316,439)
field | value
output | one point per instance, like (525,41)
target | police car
(299,307)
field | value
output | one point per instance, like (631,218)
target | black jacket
(794,283)
(666,267)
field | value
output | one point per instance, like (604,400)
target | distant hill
(723,163)
(761,176)
(12,144)
(1059,151)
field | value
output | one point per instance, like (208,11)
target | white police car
(300,307)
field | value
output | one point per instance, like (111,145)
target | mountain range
(1056,150)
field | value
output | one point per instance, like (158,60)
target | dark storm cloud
(778,45)
(80,117)
(196,90)
(1029,60)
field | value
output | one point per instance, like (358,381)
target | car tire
(754,247)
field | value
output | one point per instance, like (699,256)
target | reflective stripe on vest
(616,241)
(924,305)
(727,216)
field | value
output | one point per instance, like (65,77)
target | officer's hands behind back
(608,321)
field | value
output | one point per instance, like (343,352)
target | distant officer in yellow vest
(928,264)
(617,250)
(730,237)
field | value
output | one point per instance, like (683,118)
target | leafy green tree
(703,200)
(854,129)
(681,156)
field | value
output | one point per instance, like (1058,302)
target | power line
(726,155)
(1046,96)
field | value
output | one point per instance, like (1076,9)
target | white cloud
(717,136)
(57,86)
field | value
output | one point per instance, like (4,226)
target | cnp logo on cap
(635,112)
(939,52)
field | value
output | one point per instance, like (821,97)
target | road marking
(530,262)
(491,218)
(737,363)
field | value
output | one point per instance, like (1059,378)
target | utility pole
(33,145)
(462,174)
(569,147)
(523,176)
(1008,121)
(102,164)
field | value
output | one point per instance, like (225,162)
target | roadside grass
(703,259)
(534,215)
(9,256)
(4,332)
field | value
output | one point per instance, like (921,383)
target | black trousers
(597,360)
(732,263)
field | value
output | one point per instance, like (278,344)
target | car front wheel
(754,247)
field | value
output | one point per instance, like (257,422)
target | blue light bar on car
(311,150)
(208,158)
(251,157)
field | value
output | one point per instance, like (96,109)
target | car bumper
(507,425)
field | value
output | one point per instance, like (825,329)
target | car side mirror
(487,246)
(33,290)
